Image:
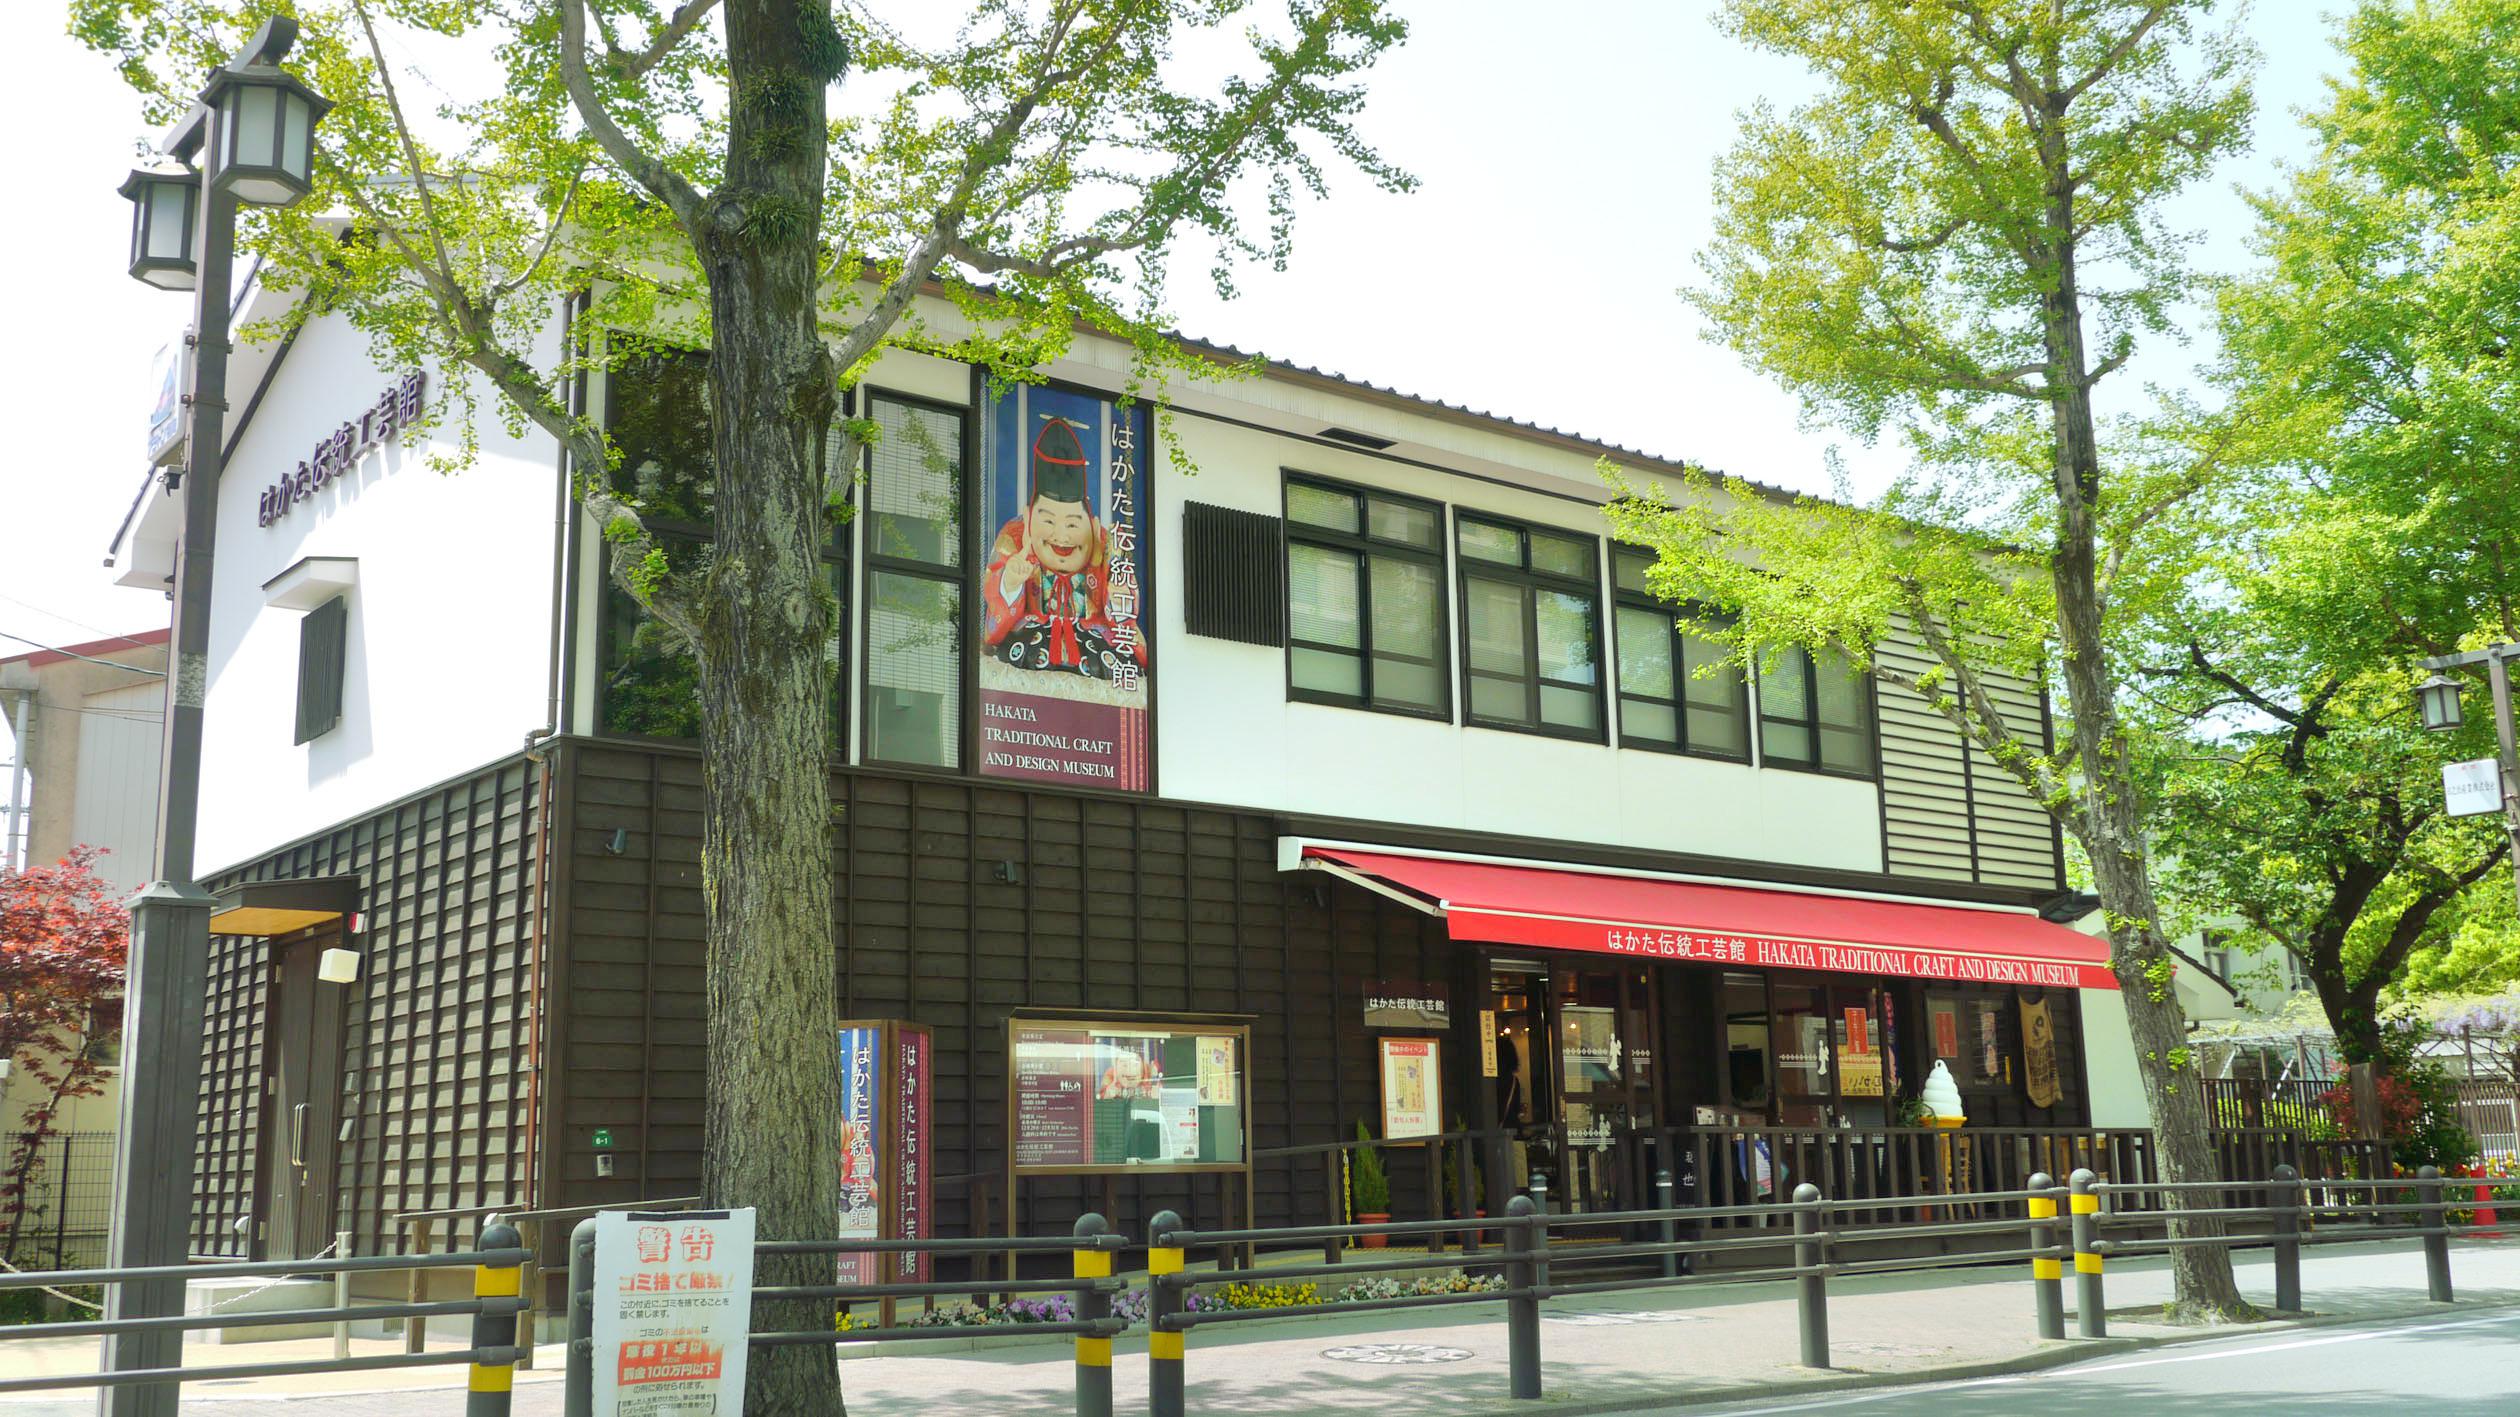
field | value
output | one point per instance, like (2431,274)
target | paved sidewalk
(1691,1344)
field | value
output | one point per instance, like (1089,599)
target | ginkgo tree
(1962,237)
(778,182)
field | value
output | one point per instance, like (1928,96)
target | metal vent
(1233,574)
(1361,440)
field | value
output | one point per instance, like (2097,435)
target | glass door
(1604,1029)
(1799,1044)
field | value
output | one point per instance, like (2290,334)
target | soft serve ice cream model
(1942,1097)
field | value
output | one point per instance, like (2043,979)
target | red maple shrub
(63,940)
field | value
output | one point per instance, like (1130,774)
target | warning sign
(673,1309)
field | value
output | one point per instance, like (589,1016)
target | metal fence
(1536,1257)
(58,1214)
(493,1308)
(1091,1248)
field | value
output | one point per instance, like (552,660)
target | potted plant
(1369,1190)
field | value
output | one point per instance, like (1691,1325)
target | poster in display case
(1412,1088)
(1141,1095)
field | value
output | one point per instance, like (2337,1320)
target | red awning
(1644,917)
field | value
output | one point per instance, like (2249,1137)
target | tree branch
(679,196)
(683,21)
(1977,716)
(2116,55)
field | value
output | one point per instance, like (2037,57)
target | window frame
(838,559)
(1623,598)
(962,576)
(1532,581)
(1871,771)
(1364,545)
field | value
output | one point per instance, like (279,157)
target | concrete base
(265,1296)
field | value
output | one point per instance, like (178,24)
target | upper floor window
(657,414)
(914,584)
(1365,599)
(1531,617)
(1815,711)
(1677,690)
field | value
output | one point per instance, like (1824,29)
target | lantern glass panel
(169,224)
(295,149)
(2438,701)
(254,131)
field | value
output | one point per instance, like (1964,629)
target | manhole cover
(1395,1353)
(1604,1318)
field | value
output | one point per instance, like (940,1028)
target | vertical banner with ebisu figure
(1066,688)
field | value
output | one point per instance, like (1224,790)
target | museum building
(1189,813)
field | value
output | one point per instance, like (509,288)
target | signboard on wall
(1089,1097)
(1412,1088)
(885,1187)
(1065,683)
(1405,1003)
(673,1308)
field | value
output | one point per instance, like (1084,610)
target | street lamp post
(2437,702)
(251,134)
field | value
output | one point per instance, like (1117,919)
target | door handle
(297,1136)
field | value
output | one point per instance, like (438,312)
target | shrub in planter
(1369,1190)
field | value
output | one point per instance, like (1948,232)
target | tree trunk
(764,617)
(2112,818)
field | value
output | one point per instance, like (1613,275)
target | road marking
(2355,1336)
(1850,1399)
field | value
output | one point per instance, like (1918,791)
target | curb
(2052,1353)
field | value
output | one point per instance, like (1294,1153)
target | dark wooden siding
(436,1029)
(961,903)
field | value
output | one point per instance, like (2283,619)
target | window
(1815,711)
(323,651)
(658,417)
(2217,949)
(1531,618)
(914,584)
(1676,692)
(1365,599)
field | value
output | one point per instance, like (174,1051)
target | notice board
(1087,1097)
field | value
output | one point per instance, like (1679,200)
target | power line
(66,654)
(82,624)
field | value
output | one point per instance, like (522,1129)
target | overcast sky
(1565,173)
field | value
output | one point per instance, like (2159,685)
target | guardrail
(493,1307)
(1530,1264)
(1091,1246)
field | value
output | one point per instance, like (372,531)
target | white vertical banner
(673,1308)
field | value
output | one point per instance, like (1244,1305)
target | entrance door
(1603,1029)
(301,1100)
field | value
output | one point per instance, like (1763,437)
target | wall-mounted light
(338,966)
(1006,872)
(619,841)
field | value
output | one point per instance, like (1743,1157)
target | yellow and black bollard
(2047,1272)
(1165,1348)
(494,1328)
(2091,1313)
(1093,1350)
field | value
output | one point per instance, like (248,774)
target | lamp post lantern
(251,135)
(2437,703)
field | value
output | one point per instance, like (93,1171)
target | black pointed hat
(1058,463)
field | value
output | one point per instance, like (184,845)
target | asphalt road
(2450,1367)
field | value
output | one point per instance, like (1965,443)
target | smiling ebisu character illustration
(1048,586)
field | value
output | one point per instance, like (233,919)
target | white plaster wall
(1227,733)
(2110,1078)
(449,624)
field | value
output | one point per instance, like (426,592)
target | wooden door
(302,1100)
